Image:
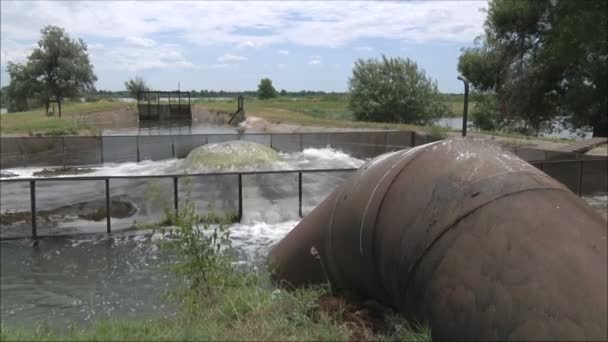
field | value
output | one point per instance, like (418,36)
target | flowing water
(75,280)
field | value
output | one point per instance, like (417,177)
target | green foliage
(202,250)
(543,59)
(266,89)
(58,68)
(484,114)
(394,90)
(135,85)
(283,92)
(438,132)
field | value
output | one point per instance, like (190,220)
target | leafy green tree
(135,85)
(266,90)
(541,60)
(283,92)
(23,88)
(394,90)
(58,68)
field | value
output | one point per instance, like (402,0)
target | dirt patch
(202,115)
(364,318)
(256,124)
(62,171)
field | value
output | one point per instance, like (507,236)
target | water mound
(229,155)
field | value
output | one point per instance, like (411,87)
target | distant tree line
(215,93)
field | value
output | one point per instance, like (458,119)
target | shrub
(394,90)
(266,90)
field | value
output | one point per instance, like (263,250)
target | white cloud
(326,24)
(364,48)
(283,52)
(315,60)
(282,66)
(133,58)
(140,41)
(228,57)
(248,44)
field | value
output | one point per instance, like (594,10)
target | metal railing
(558,169)
(175,177)
(84,151)
(576,187)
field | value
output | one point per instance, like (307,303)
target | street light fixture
(466,104)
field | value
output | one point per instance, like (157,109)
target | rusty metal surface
(465,236)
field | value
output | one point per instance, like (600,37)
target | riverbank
(278,115)
(250,311)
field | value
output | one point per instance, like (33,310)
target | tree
(394,90)
(58,68)
(266,90)
(542,60)
(23,86)
(283,92)
(135,85)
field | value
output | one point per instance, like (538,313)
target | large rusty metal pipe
(462,235)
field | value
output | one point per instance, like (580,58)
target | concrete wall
(580,175)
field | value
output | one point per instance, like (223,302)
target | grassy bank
(329,111)
(217,301)
(36,122)
(332,107)
(244,313)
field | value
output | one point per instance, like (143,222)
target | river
(77,280)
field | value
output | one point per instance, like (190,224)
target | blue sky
(231,45)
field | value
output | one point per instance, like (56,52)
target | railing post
(385,142)
(175,196)
(33,209)
(63,151)
(301,146)
(172,146)
(108,219)
(412,138)
(137,142)
(240,197)
(300,193)
(580,178)
(101,148)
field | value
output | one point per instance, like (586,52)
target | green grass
(311,111)
(252,312)
(35,122)
(327,107)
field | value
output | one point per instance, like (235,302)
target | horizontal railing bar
(230,173)
(214,134)
(566,161)
(91,178)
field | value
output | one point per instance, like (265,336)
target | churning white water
(78,279)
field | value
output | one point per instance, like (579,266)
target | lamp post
(466,105)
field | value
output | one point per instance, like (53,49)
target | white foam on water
(144,168)
(309,158)
(321,158)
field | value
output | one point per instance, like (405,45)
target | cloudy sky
(231,45)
